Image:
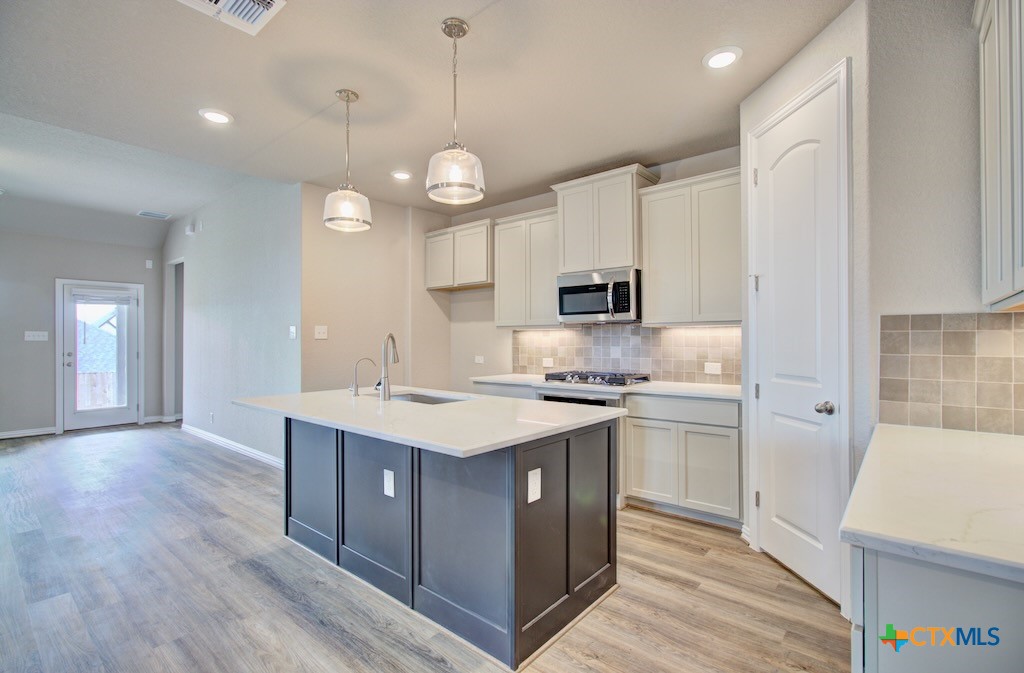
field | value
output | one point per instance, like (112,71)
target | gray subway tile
(959,343)
(893,390)
(926,343)
(896,413)
(995,395)
(995,420)
(895,323)
(925,367)
(958,368)
(995,369)
(988,321)
(925,415)
(959,393)
(995,343)
(958,418)
(960,321)
(895,343)
(924,391)
(894,366)
(926,322)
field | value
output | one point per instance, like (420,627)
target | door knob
(825,407)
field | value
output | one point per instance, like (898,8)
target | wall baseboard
(745,534)
(234,446)
(32,432)
(163,419)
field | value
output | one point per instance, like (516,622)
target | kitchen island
(493,517)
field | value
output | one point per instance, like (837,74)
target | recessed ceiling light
(401,175)
(722,57)
(216,116)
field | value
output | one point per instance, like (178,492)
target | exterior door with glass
(100,354)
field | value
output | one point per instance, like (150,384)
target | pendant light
(454,175)
(346,209)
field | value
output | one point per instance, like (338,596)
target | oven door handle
(613,401)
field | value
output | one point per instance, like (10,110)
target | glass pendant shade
(347,210)
(455,176)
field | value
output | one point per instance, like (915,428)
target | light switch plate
(320,332)
(37,336)
(712,367)
(548,362)
(478,359)
(533,486)
(389,483)
(291,331)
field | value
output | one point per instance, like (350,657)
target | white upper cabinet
(526,266)
(598,220)
(692,250)
(1002,152)
(459,257)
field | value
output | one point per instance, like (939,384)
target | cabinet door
(542,270)
(1017,132)
(510,274)
(440,260)
(473,255)
(376,513)
(709,469)
(715,231)
(311,483)
(576,229)
(995,85)
(667,276)
(614,219)
(652,460)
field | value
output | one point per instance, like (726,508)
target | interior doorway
(174,341)
(99,337)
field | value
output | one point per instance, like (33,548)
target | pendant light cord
(348,172)
(455,90)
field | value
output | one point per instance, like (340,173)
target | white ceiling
(549,90)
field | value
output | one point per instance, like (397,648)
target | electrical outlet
(478,359)
(291,331)
(37,336)
(548,362)
(211,418)
(533,485)
(389,483)
(320,332)
(149,264)
(712,367)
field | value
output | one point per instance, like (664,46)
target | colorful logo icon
(894,637)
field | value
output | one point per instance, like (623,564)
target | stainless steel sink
(426,399)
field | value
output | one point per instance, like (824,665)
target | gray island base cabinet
(504,548)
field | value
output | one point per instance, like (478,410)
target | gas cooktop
(599,378)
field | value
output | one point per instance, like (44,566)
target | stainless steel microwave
(600,296)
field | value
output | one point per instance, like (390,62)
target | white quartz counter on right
(715,391)
(949,497)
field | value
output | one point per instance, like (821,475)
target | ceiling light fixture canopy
(722,57)
(346,209)
(455,176)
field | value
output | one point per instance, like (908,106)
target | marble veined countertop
(468,426)
(715,391)
(950,497)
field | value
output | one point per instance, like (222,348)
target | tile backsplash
(963,371)
(669,353)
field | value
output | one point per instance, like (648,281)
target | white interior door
(798,209)
(100,356)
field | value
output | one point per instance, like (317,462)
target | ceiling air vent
(246,15)
(152,214)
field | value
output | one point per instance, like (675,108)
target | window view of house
(101,348)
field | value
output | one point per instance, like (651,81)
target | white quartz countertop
(715,391)
(472,425)
(950,497)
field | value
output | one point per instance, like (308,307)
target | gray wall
(29,264)
(364,285)
(242,293)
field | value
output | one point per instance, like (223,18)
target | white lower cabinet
(681,459)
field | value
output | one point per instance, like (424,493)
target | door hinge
(757,498)
(136,406)
(755,177)
(757,391)
(757,282)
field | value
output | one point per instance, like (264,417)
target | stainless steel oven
(599,296)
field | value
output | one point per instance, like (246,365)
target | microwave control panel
(620,297)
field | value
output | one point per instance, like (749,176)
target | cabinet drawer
(685,410)
(525,392)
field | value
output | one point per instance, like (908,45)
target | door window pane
(101,356)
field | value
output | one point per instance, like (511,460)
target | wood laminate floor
(146,549)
